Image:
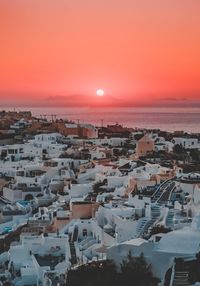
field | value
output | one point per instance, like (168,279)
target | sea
(164,118)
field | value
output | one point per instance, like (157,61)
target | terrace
(49,260)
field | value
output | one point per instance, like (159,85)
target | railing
(163,217)
(141,231)
(160,186)
(172,276)
(172,191)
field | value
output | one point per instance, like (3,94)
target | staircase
(74,238)
(75,233)
(163,193)
(85,241)
(73,253)
(145,223)
(170,217)
(159,191)
(89,244)
(141,226)
(181,278)
(166,194)
(155,212)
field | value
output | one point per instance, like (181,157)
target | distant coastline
(169,119)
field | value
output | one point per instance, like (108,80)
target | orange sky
(139,51)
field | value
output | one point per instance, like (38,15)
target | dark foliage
(134,272)
(159,229)
(178,149)
(95,273)
(195,155)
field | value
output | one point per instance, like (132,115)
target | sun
(100,92)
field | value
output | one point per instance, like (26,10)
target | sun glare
(100,92)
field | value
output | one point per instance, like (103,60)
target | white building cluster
(67,201)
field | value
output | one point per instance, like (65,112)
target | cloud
(175,99)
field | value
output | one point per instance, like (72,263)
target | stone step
(181,278)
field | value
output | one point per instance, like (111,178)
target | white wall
(12,195)
(79,190)
(197,195)
(115,181)
(188,143)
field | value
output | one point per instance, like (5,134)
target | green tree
(136,272)
(98,273)
(194,154)
(178,149)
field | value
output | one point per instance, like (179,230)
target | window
(84,232)
(158,238)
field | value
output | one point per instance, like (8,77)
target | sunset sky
(59,52)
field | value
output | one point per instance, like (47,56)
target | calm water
(171,119)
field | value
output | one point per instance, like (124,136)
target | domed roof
(184,241)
